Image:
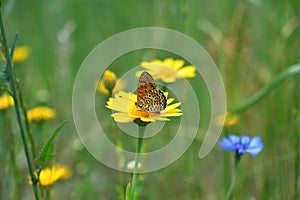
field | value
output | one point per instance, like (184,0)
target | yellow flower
(110,82)
(21,53)
(48,176)
(40,113)
(6,101)
(168,70)
(127,111)
(230,119)
(109,77)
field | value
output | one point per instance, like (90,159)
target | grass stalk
(289,72)
(26,121)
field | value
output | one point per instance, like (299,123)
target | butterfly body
(149,98)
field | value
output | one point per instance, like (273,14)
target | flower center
(142,113)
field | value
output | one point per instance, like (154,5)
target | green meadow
(255,45)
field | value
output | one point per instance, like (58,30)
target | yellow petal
(147,119)
(178,64)
(123,94)
(173,106)
(21,53)
(6,101)
(167,79)
(173,114)
(122,117)
(102,88)
(120,85)
(118,105)
(175,111)
(168,62)
(169,101)
(188,71)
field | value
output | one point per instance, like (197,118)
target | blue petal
(234,139)
(226,144)
(255,146)
(245,140)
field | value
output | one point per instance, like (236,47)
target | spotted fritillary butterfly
(149,98)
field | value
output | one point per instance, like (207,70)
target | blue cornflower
(242,144)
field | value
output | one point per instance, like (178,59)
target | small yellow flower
(168,70)
(127,111)
(6,101)
(230,120)
(110,82)
(40,113)
(21,53)
(109,77)
(48,176)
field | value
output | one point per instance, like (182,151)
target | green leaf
(128,192)
(14,45)
(47,150)
(138,189)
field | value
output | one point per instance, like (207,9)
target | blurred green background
(250,41)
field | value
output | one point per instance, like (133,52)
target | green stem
(297,161)
(297,135)
(47,194)
(233,177)
(28,129)
(17,106)
(136,161)
(291,71)
(12,153)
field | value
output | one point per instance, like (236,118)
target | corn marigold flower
(110,82)
(168,70)
(127,111)
(21,53)
(6,101)
(48,176)
(242,144)
(40,113)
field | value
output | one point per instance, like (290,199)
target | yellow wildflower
(21,53)
(230,119)
(48,176)
(127,111)
(110,82)
(6,101)
(168,70)
(40,113)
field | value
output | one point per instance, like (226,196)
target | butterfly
(149,98)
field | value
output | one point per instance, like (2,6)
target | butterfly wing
(146,83)
(154,101)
